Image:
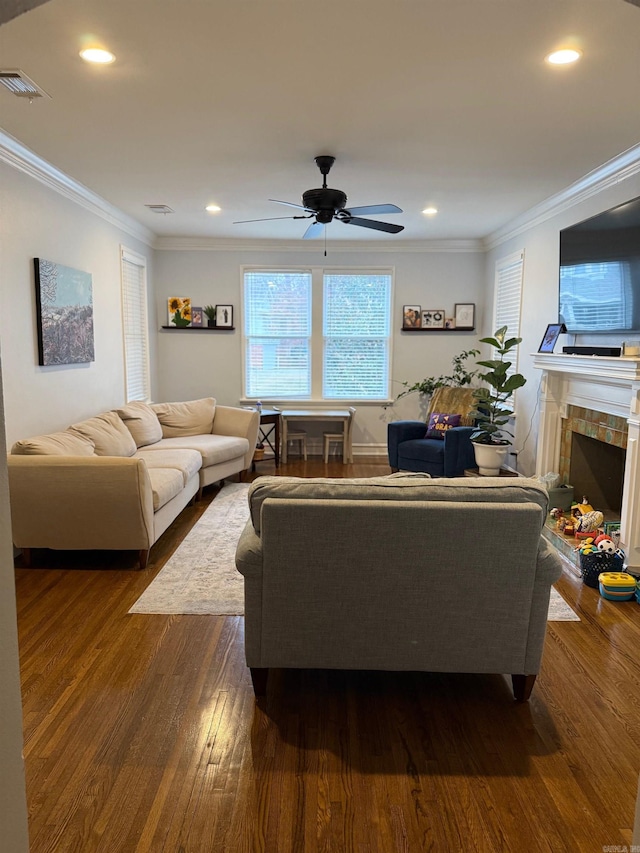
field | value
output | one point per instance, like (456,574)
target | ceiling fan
(323,205)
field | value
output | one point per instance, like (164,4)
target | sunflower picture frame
(179,311)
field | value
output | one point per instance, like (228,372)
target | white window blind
(356,321)
(135,327)
(508,301)
(277,318)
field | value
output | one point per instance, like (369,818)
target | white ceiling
(422,102)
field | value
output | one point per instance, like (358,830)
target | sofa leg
(522,686)
(143,558)
(259,677)
(199,495)
(26,556)
(394,470)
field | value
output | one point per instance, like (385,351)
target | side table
(269,433)
(505,471)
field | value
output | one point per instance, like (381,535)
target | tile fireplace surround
(604,384)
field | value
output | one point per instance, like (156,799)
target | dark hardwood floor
(142,734)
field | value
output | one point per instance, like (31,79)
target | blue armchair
(409,450)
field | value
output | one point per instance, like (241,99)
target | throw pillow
(439,423)
(193,417)
(63,443)
(142,422)
(109,435)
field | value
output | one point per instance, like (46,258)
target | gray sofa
(119,479)
(397,573)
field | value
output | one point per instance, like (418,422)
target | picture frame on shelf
(179,311)
(433,318)
(551,336)
(465,316)
(411,316)
(224,316)
(197,316)
(449,322)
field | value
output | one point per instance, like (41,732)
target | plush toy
(556,512)
(590,521)
(606,544)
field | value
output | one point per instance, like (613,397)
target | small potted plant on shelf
(210,312)
(493,413)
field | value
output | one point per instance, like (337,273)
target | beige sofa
(118,480)
(397,573)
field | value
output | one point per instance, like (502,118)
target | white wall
(38,222)
(194,364)
(13,804)
(540,301)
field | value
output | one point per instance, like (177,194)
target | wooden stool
(301,437)
(328,437)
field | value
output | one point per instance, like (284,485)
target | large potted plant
(493,411)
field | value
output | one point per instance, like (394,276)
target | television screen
(600,272)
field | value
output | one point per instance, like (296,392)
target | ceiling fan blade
(291,204)
(269,218)
(369,209)
(314,230)
(373,223)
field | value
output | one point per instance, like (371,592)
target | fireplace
(593,448)
(589,431)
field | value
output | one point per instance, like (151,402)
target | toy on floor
(605,543)
(617,586)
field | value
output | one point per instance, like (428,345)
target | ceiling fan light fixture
(97,56)
(564,56)
(213,208)
(430,211)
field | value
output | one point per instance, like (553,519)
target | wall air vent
(160,208)
(20,85)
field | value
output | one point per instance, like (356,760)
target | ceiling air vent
(160,208)
(20,85)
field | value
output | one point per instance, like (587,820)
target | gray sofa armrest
(230,420)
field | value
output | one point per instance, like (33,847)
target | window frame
(317,332)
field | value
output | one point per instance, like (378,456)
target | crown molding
(620,168)
(19,157)
(212,244)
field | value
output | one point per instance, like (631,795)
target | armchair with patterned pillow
(442,446)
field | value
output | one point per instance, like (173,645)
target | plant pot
(211,324)
(490,458)
(258,454)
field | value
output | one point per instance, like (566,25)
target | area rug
(200,577)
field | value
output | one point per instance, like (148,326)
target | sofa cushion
(213,449)
(410,488)
(188,462)
(108,433)
(63,443)
(193,417)
(166,483)
(142,422)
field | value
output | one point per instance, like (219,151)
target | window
(133,271)
(317,334)
(508,296)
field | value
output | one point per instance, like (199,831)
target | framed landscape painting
(64,314)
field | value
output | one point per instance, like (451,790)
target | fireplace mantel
(606,384)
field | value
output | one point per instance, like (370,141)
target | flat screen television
(600,272)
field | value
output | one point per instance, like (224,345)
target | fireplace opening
(597,471)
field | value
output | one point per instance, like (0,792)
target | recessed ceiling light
(97,55)
(213,208)
(564,57)
(430,211)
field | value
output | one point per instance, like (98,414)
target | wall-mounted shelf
(412,329)
(199,328)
